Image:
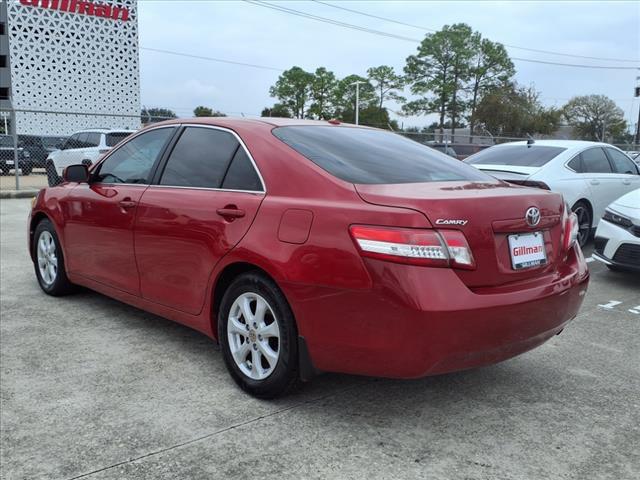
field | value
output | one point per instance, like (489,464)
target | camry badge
(451,221)
(532,216)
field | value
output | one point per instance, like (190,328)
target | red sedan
(306,246)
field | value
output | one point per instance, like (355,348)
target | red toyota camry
(305,246)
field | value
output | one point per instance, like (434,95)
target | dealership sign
(81,7)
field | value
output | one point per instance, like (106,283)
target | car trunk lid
(487,213)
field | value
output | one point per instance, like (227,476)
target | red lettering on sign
(82,7)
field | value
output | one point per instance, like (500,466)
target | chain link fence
(43,143)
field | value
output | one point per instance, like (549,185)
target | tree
(207,112)
(386,83)
(595,117)
(439,71)
(157,114)
(322,88)
(344,97)
(513,110)
(278,110)
(490,68)
(293,88)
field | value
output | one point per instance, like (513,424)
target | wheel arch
(35,220)
(224,279)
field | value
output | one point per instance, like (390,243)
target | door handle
(595,182)
(626,182)
(126,203)
(231,212)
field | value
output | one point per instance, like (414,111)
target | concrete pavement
(92,388)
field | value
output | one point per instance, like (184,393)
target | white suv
(86,146)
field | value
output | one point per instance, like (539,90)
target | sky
(243,32)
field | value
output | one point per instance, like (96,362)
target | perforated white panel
(73,62)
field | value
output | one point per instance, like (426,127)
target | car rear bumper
(416,322)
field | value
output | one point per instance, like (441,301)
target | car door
(604,185)
(100,215)
(71,153)
(625,171)
(201,204)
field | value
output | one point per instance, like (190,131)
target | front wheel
(258,336)
(584,222)
(52,175)
(49,261)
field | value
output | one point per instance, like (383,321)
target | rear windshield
(516,155)
(360,155)
(115,138)
(6,142)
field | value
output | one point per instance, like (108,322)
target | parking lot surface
(92,388)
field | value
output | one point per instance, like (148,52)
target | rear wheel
(583,213)
(258,336)
(49,261)
(26,171)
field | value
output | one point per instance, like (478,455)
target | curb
(4,194)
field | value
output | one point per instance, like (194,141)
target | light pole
(357,84)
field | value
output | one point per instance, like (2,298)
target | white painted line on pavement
(610,305)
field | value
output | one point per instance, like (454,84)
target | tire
(49,261)
(4,171)
(52,176)
(26,171)
(269,377)
(87,162)
(582,211)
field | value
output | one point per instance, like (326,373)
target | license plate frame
(529,247)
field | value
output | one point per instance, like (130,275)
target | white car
(589,175)
(86,146)
(617,240)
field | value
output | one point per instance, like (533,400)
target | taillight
(571,229)
(434,248)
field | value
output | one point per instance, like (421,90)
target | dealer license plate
(527,250)
(9,162)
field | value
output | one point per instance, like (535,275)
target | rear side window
(112,139)
(621,163)
(241,174)
(516,155)
(576,164)
(93,139)
(6,141)
(200,158)
(595,161)
(361,155)
(133,161)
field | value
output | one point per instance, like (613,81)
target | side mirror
(76,174)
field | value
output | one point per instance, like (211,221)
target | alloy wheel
(254,336)
(47,258)
(584,224)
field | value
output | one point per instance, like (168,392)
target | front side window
(133,161)
(200,158)
(368,156)
(595,161)
(621,163)
(516,155)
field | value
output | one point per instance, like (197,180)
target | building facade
(67,65)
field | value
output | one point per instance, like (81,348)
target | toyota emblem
(532,216)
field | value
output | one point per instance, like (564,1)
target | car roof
(104,130)
(269,122)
